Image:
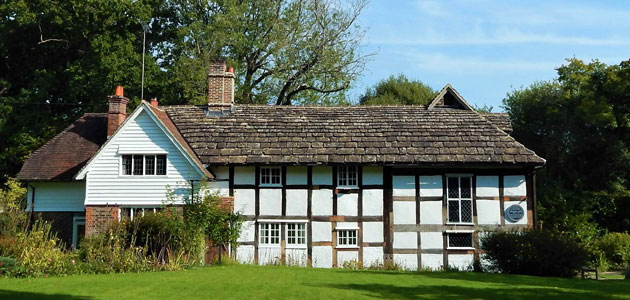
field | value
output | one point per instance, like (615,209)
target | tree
(398,90)
(61,59)
(580,123)
(285,51)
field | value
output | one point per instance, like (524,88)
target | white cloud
(442,63)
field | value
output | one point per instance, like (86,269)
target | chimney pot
(230,70)
(154,102)
(119,91)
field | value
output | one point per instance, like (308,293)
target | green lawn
(242,282)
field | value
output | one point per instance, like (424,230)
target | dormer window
(347,177)
(143,165)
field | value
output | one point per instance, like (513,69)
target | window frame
(459,199)
(448,239)
(134,211)
(76,222)
(271,236)
(297,237)
(348,238)
(345,170)
(121,169)
(271,176)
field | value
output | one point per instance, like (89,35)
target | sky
(487,48)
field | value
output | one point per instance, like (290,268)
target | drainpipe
(31,216)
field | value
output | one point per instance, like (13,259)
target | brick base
(98,218)
(227,203)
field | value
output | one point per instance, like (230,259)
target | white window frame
(262,228)
(297,230)
(343,173)
(448,239)
(76,221)
(459,199)
(347,245)
(271,176)
(134,211)
(121,166)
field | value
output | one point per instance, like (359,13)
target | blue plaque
(514,213)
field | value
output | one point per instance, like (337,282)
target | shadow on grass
(7,294)
(387,291)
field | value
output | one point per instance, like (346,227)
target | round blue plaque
(514,213)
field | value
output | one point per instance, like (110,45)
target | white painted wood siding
(142,135)
(57,196)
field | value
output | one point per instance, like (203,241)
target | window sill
(347,247)
(303,247)
(463,224)
(269,185)
(269,246)
(460,248)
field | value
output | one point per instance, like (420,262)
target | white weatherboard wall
(57,196)
(106,186)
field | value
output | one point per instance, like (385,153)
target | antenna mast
(144,39)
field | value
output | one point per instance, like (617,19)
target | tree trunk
(220,253)
(628,271)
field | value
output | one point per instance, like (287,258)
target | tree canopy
(398,90)
(581,124)
(62,58)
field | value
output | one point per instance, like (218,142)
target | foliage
(38,252)
(398,90)
(615,248)
(539,253)
(485,108)
(580,123)
(13,216)
(285,51)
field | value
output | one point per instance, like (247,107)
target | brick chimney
(220,87)
(117,110)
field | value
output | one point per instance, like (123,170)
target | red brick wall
(98,218)
(220,86)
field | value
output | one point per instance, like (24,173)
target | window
(460,240)
(143,164)
(459,197)
(78,231)
(347,238)
(269,234)
(296,234)
(347,176)
(270,176)
(130,213)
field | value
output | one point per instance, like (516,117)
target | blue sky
(485,49)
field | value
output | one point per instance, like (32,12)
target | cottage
(318,186)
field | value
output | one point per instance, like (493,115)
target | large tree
(284,51)
(581,124)
(59,60)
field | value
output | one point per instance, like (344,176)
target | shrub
(539,253)
(13,215)
(615,250)
(38,252)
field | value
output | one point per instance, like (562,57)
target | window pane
(465,187)
(467,211)
(126,163)
(161,165)
(453,187)
(149,165)
(138,164)
(460,240)
(453,211)
(264,176)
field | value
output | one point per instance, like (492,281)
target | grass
(244,281)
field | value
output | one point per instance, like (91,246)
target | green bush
(615,250)
(38,252)
(538,253)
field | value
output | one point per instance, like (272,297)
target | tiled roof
(64,155)
(501,120)
(363,134)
